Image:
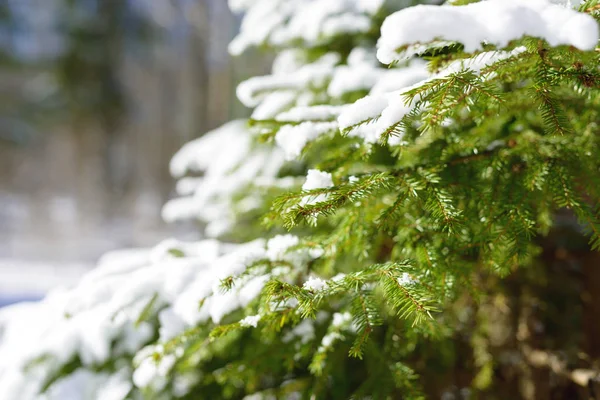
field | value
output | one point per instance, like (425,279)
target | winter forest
(411,210)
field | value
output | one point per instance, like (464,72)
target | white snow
(252,91)
(305,330)
(86,384)
(307,113)
(398,78)
(152,367)
(341,319)
(229,163)
(496,22)
(361,73)
(405,279)
(199,155)
(347,23)
(316,179)
(273,104)
(340,322)
(330,338)
(293,138)
(250,321)
(279,245)
(364,109)
(314,284)
(313,22)
(349,79)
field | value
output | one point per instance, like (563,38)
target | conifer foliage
(402,161)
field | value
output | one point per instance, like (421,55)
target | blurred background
(95,98)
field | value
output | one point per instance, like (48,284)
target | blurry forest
(95,98)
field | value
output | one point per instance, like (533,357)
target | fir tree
(402,165)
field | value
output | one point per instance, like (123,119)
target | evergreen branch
(439,203)
(147,310)
(566,196)
(365,318)
(552,114)
(346,131)
(408,302)
(273,122)
(337,197)
(278,291)
(387,217)
(478,88)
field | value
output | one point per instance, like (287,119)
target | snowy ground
(31,280)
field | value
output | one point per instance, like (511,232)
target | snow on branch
(228,162)
(379,113)
(312,22)
(496,22)
(116,310)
